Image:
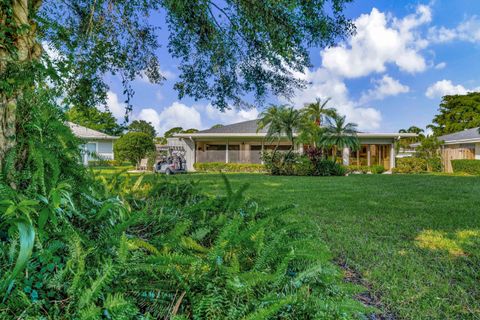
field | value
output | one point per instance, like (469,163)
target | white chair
(143,164)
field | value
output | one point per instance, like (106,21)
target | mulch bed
(368,299)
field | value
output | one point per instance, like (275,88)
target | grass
(414,238)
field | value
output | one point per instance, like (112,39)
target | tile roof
(467,134)
(86,133)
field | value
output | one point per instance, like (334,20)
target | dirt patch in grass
(365,297)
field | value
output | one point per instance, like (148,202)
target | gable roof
(250,126)
(467,135)
(86,133)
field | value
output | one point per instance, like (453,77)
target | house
(460,145)
(243,143)
(98,145)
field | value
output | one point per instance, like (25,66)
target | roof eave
(460,141)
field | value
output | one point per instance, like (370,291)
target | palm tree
(340,134)
(318,111)
(282,121)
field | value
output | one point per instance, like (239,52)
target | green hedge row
(376,169)
(411,165)
(466,166)
(108,163)
(229,167)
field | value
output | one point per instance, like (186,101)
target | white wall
(477,151)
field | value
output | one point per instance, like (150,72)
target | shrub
(410,165)
(294,164)
(229,167)
(466,166)
(376,169)
(434,164)
(329,168)
(155,245)
(304,167)
(280,163)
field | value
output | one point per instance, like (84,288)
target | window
(91,148)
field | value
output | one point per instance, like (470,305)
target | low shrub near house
(376,169)
(229,167)
(466,166)
(434,164)
(289,164)
(107,163)
(411,165)
(329,167)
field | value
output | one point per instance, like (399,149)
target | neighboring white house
(243,143)
(98,145)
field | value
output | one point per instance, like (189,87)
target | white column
(346,156)
(226,153)
(262,152)
(300,148)
(392,156)
(369,162)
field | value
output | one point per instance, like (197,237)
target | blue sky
(392,74)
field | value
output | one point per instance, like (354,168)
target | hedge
(376,169)
(228,167)
(410,165)
(107,163)
(466,166)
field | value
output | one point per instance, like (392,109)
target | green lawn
(414,239)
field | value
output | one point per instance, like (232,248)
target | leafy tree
(173,131)
(215,126)
(457,113)
(339,134)
(429,149)
(191,130)
(406,142)
(95,119)
(225,49)
(133,146)
(142,126)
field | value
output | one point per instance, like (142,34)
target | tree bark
(25,50)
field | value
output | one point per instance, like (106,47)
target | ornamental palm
(340,134)
(317,111)
(282,121)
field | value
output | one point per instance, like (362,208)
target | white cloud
(196,116)
(444,87)
(441,65)
(468,30)
(175,115)
(116,107)
(380,39)
(231,115)
(384,87)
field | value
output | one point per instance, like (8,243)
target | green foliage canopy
(133,146)
(456,113)
(142,126)
(92,118)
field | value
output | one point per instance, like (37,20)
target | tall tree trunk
(18,51)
